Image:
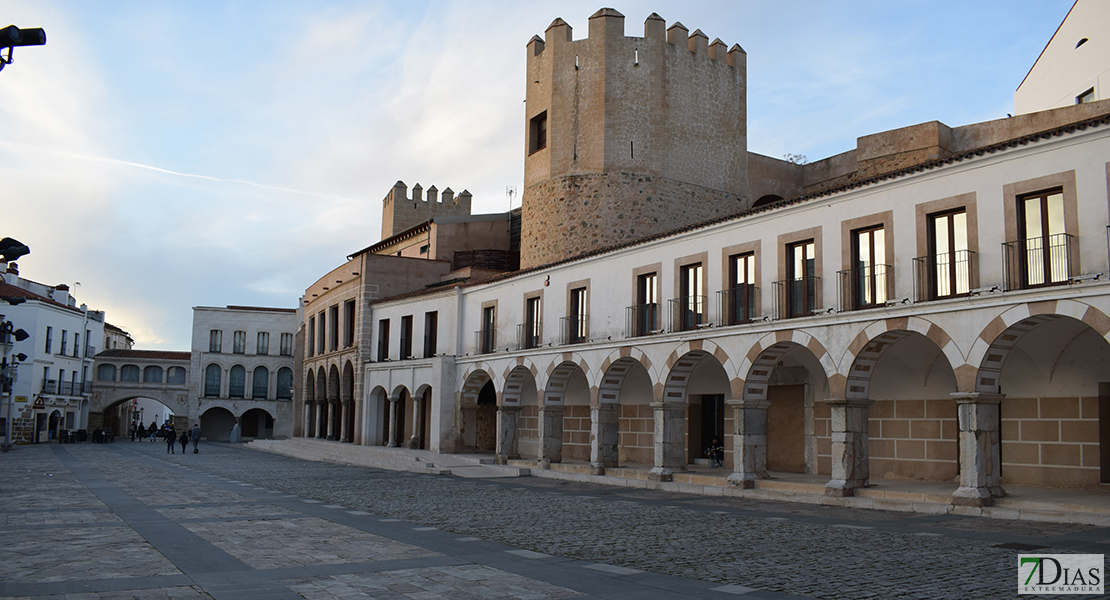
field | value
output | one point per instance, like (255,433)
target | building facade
(1074,67)
(930,305)
(50,391)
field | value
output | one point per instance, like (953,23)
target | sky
(171,154)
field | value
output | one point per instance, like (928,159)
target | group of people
(183,439)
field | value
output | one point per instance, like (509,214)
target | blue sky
(199,153)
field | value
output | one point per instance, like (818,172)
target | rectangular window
(311,336)
(49,338)
(691,301)
(65,334)
(89,351)
(215,340)
(949,258)
(76,344)
(647,304)
(577,320)
(263,347)
(1043,253)
(1085,97)
(287,344)
(406,337)
(333,334)
(537,133)
(487,341)
(801,284)
(349,324)
(740,305)
(431,333)
(869,270)
(383,339)
(322,333)
(533,324)
(239,343)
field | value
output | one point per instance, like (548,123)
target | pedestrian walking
(184,439)
(196,437)
(171,439)
(153,430)
(141,433)
(134,432)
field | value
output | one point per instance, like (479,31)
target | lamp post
(8,371)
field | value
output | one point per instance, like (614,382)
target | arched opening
(520,395)
(568,394)
(123,416)
(257,424)
(626,419)
(212,375)
(419,428)
(129,373)
(765,200)
(347,398)
(486,420)
(790,381)
(105,372)
(1054,372)
(152,374)
(335,409)
(216,424)
(310,405)
(237,382)
(913,430)
(321,404)
(260,383)
(377,418)
(176,376)
(701,379)
(478,396)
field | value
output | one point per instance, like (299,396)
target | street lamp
(7,332)
(12,36)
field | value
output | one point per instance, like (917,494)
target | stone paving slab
(463,582)
(79,554)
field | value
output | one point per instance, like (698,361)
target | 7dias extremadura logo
(1060,573)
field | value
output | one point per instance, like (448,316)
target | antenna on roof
(510,191)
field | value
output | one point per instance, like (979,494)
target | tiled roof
(145,354)
(8,290)
(925,166)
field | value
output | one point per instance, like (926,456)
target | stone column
(604,437)
(414,439)
(507,434)
(393,408)
(670,431)
(551,435)
(333,420)
(321,426)
(980,449)
(309,422)
(850,453)
(749,442)
(343,419)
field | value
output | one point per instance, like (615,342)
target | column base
(391,445)
(842,488)
(977,496)
(664,473)
(544,463)
(744,481)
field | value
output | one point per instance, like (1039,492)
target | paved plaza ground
(127,520)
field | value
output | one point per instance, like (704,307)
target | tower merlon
(536,45)
(557,31)
(448,196)
(655,28)
(699,42)
(718,50)
(677,34)
(606,23)
(737,57)
(417,193)
(433,194)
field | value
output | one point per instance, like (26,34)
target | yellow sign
(21,398)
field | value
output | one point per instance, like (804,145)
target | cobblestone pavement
(127,521)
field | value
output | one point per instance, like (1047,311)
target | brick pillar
(393,408)
(604,437)
(670,431)
(551,435)
(980,449)
(507,434)
(850,455)
(749,442)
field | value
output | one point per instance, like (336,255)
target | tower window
(537,133)
(1085,97)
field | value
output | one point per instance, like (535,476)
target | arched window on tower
(236,382)
(212,381)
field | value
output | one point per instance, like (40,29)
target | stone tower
(399,212)
(629,136)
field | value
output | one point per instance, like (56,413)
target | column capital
(748,403)
(552,408)
(668,405)
(509,408)
(849,402)
(977,397)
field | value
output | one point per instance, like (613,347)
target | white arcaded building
(933,304)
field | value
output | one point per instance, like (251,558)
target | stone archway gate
(106,393)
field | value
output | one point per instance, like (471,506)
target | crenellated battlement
(607,24)
(400,211)
(668,110)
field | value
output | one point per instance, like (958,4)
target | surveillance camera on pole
(12,36)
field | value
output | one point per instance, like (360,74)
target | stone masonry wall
(1050,441)
(572,215)
(637,434)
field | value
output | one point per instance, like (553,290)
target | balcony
(484,340)
(529,335)
(574,330)
(54,387)
(946,275)
(641,320)
(796,297)
(1039,262)
(687,313)
(864,287)
(738,305)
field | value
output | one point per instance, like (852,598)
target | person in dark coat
(141,433)
(153,430)
(195,437)
(171,438)
(184,439)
